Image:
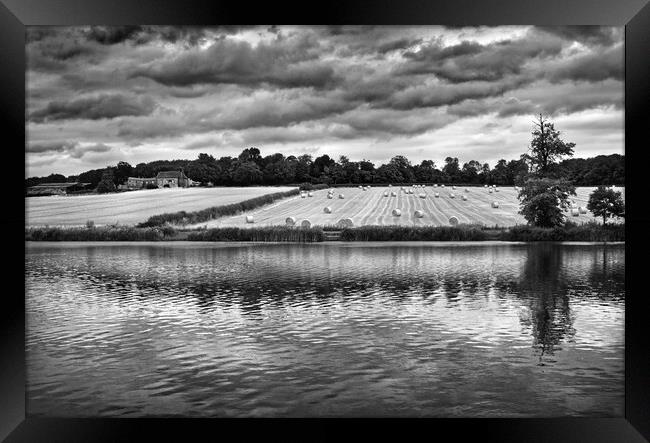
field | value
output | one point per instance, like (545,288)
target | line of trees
(251,168)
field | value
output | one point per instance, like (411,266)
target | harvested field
(128,208)
(371,207)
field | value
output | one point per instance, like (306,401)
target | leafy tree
(122,172)
(452,169)
(470,171)
(247,173)
(605,203)
(250,155)
(543,201)
(403,166)
(107,183)
(547,147)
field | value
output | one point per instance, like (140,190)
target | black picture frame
(633,14)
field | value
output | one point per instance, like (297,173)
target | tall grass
(108,233)
(414,233)
(263,234)
(591,231)
(182,217)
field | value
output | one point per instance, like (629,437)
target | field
(128,208)
(372,208)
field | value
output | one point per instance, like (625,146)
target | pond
(330,329)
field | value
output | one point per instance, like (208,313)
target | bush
(414,233)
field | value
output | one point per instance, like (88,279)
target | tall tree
(547,147)
(543,201)
(606,203)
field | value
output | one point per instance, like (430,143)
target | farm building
(140,183)
(172,179)
(57,188)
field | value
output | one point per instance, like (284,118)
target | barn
(172,179)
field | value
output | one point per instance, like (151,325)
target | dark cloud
(398,44)
(591,67)
(94,108)
(79,152)
(287,62)
(586,34)
(50,147)
(110,35)
(471,61)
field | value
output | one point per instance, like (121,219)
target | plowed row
(370,207)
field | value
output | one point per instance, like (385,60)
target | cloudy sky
(98,95)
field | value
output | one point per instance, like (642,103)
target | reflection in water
(468,329)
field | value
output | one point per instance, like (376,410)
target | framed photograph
(424,211)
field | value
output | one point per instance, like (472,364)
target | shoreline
(285,234)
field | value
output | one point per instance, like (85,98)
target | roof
(171,174)
(142,178)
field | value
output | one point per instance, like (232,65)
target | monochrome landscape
(325,221)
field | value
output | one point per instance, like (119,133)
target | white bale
(485,186)
(341,196)
(290,221)
(464,198)
(302,195)
(393,194)
(397,212)
(327,210)
(305,224)
(310,194)
(582,210)
(436,195)
(453,187)
(390,186)
(419,214)
(249,219)
(575,212)
(364,188)
(452,196)
(453,220)
(386,194)
(442,186)
(490,190)
(360,187)
(466,190)
(495,204)
(345,223)
(422,195)
(330,196)
(496,189)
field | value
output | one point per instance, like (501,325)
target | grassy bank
(183,217)
(591,232)
(415,233)
(265,234)
(100,234)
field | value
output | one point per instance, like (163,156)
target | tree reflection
(544,286)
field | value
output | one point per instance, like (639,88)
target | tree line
(251,168)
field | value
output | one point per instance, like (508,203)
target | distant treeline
(250,168)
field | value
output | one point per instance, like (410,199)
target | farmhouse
(172,179)
(140,183)
(57,188)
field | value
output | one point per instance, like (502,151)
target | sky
(98,95)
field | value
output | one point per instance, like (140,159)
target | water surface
(339,329)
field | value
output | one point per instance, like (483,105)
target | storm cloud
(153,92)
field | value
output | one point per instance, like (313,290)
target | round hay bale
(327,210)
(464,198)
(360,187)
(390,186)
(341,196)
(393,194)
(303,195)
(453,188)
(397,212)
(310,194)
(250,219)
(422,195)
(306,224)
(436,195)
(453,220)
(386,194)
(495,204)
(364,188)
(290,221)
(496,189)
(490,190)
(485,186)
(466,189)
(452,196)
(582,210)
(575,212)
(345,223)
(330,196)
(419,214)
(442,186)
